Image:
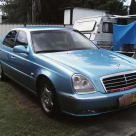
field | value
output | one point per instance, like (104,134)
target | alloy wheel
(46,98)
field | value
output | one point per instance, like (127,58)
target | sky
(127,3)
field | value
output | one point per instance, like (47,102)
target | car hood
(98,62)
(93,63)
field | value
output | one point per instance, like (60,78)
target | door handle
(12,57)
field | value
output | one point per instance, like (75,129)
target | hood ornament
(118,66)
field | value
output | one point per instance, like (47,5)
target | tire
(2,75)
(48,98)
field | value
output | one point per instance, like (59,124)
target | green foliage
(16,11)
(114,7)
(132,7)
(82,3)
(50,9)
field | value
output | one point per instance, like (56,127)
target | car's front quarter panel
(57,74)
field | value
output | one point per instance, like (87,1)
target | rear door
(6,49)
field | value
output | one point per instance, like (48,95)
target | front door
(20,61)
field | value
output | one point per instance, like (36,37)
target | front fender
(59,76)
(60,82)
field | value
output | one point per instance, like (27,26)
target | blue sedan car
(67,72)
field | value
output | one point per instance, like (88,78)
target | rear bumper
(92,104)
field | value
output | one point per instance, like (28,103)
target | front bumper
(91,104)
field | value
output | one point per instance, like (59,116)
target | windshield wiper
(47,51)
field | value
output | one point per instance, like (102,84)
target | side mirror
(20,49)
(95,42)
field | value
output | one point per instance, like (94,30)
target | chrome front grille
(131,79)
(119,82)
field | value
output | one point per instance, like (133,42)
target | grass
(18,120)
(21,115)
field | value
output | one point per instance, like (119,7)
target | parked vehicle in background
(67,72)
(100,28)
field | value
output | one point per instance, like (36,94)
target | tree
(15,10)
(132,7)
(48,11)
(51,7)
(114,7)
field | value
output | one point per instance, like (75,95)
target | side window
(107,27)
(10,39)
(22,39)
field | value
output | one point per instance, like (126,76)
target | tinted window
(107,27)
(10,39)
(60,40)
(22,38)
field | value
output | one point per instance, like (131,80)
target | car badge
(118,66)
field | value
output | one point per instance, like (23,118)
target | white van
(100,28)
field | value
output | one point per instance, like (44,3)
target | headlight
(82,85)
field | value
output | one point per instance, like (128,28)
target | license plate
(134,97)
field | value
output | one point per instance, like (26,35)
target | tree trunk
(36,10)
(33,11)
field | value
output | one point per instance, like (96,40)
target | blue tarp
(123,34)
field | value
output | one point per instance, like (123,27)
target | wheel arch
(40,78)
(56,109)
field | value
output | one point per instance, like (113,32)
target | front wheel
(2,75)
(48,98)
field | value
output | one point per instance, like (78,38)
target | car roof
(36,28)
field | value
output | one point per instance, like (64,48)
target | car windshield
(60,40)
